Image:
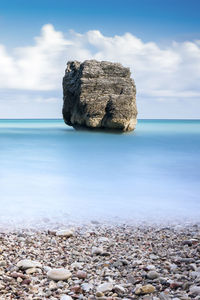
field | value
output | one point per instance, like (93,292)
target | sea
(52,173)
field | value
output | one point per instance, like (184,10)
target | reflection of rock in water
(99,95)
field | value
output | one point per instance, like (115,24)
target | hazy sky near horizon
(158,40)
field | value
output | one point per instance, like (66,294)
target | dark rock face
(99,95)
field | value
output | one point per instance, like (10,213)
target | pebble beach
(98,261)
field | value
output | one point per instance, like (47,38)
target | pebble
(76,289)
(16,275)
(195,290)
(46,268)
(31,271)
(152,275)
(145,289)
(153,256)
(194,274)
(99,294)
(65,233)
(81,274)
(1,286)
(164,296)
(65,297)
(97,250)
(150,268)
(190,242)
(119,289)
(103,239)
(2,263)
(138,256)
(77,265)
(52,285)
(105,287)
(175,284)
(59,274)
(26,281)
(149,297)
(87,286)
(19,279)
(28,264)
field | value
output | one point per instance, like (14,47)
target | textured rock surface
(99,95)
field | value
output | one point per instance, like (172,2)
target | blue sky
(162,47)
(157,20)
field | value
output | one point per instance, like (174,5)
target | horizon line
(60,119)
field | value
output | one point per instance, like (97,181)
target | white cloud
(170,72)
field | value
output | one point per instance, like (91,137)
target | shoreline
(103,261)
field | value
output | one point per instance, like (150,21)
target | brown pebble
(175,285)
(99,294)
(26,281)
(76,289)
(16,275)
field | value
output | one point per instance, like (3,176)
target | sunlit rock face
(99,95)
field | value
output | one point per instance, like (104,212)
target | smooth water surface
(49,170)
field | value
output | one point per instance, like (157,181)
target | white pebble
(195,290)
(119,289)
(64,233)
(105,287)
(87,287)
(59,274)
(65,297)
(27,264)
(97,250)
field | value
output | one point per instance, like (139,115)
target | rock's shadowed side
(99,95)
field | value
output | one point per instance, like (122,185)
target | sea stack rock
(99,95)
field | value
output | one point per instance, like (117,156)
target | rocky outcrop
(99,95)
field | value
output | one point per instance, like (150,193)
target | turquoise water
(51,171)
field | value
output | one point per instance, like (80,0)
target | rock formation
(99,95)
